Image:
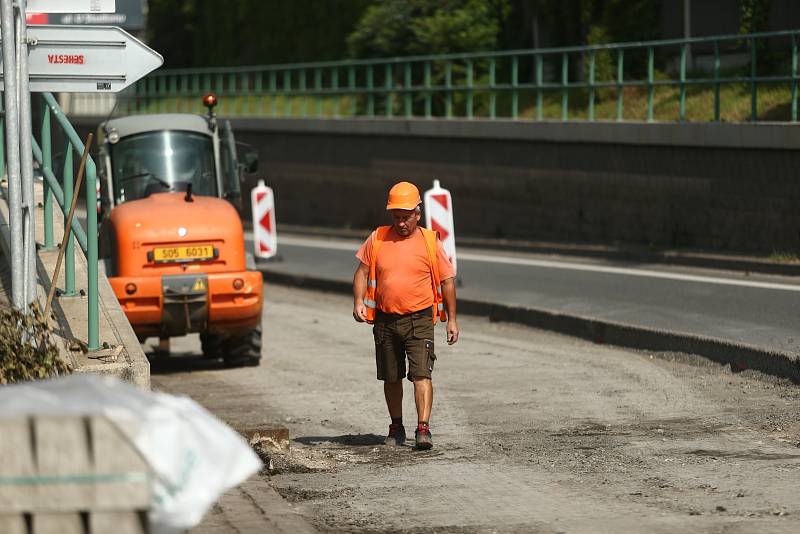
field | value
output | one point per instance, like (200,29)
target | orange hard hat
(403,196)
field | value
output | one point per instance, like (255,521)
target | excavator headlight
(130,288)
(238,284)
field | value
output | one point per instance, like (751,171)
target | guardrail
(536,84)
(62,191)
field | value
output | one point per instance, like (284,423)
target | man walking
(402,284)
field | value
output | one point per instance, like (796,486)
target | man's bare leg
(393,391)
(423,397)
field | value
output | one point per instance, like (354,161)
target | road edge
(627,253)
(738,356)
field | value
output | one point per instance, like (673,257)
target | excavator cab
(171,232)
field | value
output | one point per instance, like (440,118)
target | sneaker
(423,438)
(397,436)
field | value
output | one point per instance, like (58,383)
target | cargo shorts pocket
(430,355)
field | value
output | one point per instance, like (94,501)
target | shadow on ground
(181,362)
(355,440)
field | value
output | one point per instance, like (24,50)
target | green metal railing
(62,192)
(489,84)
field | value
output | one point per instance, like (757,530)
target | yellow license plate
(186,253)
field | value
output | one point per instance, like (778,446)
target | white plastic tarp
(194,456)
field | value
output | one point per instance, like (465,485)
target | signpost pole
(12,151)
(26,160)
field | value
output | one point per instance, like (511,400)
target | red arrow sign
(441,199)
(266,222)
(436,227)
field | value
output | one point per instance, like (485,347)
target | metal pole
(687,29)
(47,163)
(26,158)
(12,151)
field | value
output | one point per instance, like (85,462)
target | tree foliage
(409,27)
(754,16)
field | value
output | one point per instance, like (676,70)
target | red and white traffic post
(439,218)
(265,237)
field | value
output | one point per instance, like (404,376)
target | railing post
(591,85)
(91,245)
(620,83)
(682,105)
(287,87)
(335,87)
(371,91)
(172,93)
(317,90)
(273,93)
(2,137)
(233,92)
(539,92)
(716,81)
(351,87)
(514,85)
(220,84)
(448,85)
(388,82)
(650,80)
(69,253)
(469,88)
(244,91)
(492,94)
(753,84)
(794,78)
(408,101)
(47,163)
(258,89)
(564,90)
(427,81)
(302,91)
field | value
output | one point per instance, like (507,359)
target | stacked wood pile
(70,475)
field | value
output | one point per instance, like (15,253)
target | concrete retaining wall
(711,186)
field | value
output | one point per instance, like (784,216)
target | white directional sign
(70,6)
(86,59)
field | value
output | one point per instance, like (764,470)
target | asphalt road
(534,432)
(758,310)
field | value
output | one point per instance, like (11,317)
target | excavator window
(163,161)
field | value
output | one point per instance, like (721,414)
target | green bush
(27,349)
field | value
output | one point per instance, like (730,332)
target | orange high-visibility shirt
(403,272)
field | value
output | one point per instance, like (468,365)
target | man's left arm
(449,293)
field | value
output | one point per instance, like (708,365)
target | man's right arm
(359,289)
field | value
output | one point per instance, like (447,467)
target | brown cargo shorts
(401,337)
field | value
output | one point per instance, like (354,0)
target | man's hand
(360,312)
(452,331)
(359,289)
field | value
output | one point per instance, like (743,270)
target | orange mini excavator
(171,235)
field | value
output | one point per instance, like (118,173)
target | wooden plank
(13,524)
(67,464)
(113,453)
(118,522)
(63,455)
(57,523)
(16,462)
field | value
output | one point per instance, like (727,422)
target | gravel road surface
(738,307)
(533,431)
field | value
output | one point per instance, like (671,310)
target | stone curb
(738,356)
